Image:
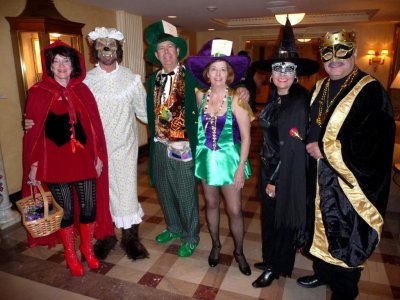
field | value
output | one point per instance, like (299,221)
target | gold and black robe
(353,178)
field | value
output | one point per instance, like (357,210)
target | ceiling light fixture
(210,29)
(304,40)
(172,17)
(293,18)
(212,8)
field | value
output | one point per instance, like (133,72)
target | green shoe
(166,236)
(186,249)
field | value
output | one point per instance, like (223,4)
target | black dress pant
(278,244)
(342,281)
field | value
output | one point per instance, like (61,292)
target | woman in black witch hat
(282,182)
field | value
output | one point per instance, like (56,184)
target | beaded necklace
(212,118)
(208,101)
(325,102)
(164,102)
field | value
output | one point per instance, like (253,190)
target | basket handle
(45,201)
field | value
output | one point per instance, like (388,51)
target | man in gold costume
(350,140)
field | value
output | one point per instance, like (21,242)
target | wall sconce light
(293,18)
(376,58)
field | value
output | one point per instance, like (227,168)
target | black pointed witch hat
(287,53)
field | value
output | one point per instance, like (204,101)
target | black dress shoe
(243,265)
(261,265)
(213,258)
(309,281)
(265,279)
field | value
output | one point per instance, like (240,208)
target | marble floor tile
(40,273)
(177,286)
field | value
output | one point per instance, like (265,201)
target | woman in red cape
(65,149)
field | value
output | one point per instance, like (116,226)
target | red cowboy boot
(86,245)
(68,239)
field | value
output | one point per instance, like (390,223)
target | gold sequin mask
(336,51)
(339,45)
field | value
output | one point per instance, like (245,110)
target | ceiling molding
(309,19)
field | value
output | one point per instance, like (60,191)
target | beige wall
(376,36)
(10,112)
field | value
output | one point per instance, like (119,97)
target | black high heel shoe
(213,258)
(243,265)
(261,265)
(265,279)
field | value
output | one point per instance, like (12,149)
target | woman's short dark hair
(51,53)
(95,54)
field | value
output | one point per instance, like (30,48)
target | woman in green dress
(223,143)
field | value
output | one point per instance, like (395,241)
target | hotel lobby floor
(39,273)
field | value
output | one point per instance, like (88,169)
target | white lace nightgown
(121,99)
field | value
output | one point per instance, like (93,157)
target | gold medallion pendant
(164,113)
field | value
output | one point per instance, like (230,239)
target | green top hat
(159,32)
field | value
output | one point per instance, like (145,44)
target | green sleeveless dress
(217,167)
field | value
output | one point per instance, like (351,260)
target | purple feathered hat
(213,50)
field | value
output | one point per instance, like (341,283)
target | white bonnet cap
(102,32)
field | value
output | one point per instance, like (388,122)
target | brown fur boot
(103,247)
(131,245)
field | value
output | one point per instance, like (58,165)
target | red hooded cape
(40,98)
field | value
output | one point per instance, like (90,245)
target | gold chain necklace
(328,103)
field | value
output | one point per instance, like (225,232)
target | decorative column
(8,216)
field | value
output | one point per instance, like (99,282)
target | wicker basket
(49,223)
